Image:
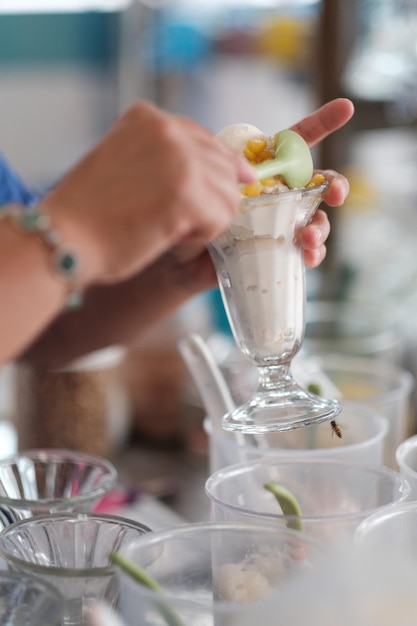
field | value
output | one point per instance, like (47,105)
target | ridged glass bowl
(72,552)
(41,481)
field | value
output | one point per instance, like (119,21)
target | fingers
(313,239)
(338,189)
(246,172)
(199,274)
(153,180)
(316,233)
(313,258)
(325,120)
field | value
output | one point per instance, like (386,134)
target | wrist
(74,238)
(63,262)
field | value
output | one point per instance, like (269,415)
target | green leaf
(143,578)
(288,503)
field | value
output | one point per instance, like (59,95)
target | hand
(327,119)
(139,206)
(154,180)
(198,271)
(313,129)
(324,121)
(314,235)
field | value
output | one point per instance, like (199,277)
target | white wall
(50,116)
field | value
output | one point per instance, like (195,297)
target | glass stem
(274,376)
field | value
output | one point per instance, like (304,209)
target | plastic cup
(26,601)
(393,529)
(363,433)
(212,573)
(377,384)
(334,497)
(36,482)
(70,551)
(352,586)
(337,328)
(406,457)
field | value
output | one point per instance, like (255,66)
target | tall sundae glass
(261,273)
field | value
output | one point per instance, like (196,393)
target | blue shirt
(12,189)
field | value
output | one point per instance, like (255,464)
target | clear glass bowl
(35,482)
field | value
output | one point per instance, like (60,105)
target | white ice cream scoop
(237,135)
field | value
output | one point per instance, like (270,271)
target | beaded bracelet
(65,262)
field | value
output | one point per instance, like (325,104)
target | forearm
(32,293)
(120,314)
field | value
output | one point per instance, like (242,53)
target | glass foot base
(273,411)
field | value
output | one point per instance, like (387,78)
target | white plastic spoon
(293,160)
(211,385)
(207,377)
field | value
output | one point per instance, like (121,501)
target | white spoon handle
(207,377)
(211,385)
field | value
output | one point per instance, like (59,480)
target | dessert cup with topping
(260,268)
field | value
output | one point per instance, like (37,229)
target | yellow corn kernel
(253,189)
(256,145)
(265,155)
(251,156)
(269,182)
(316,180)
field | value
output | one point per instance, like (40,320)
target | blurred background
(69,67)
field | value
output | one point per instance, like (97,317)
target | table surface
(171,484)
